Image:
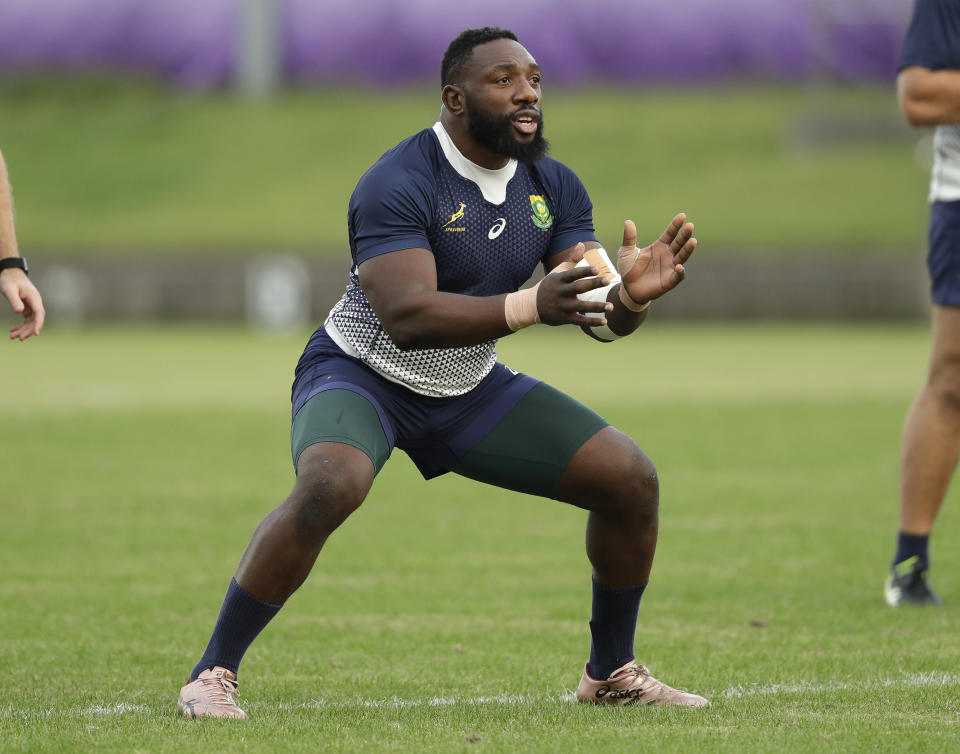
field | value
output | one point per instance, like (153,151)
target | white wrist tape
(598,258)
(520,308)
(630,303)
(626,259)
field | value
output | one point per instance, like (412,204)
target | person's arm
(401,286)
(646,274)
(928,97)
(15,286)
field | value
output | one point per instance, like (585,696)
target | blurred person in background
(928,88)
(15,286)
(443,231)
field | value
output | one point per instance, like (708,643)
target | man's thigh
(945,357)
(530,447)
(344,416)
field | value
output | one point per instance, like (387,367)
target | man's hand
(650,272)
(24,299)
(557,302)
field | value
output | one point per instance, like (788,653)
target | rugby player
(928,88)
(444,229)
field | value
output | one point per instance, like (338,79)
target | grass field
(447,616)
(134,168)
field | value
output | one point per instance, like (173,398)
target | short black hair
(460,49)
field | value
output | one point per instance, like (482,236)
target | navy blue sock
(241,619)
(612,627)
(910,545)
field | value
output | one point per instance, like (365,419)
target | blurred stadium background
(184,160)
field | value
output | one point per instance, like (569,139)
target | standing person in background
(928,87)
(15,286)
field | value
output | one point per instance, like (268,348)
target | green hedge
(97,163)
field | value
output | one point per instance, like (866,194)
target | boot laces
(638,670)
(220,690)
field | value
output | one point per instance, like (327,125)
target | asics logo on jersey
(497,228)
(458,215)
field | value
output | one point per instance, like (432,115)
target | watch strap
(9,262)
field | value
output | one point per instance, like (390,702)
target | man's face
(502,100)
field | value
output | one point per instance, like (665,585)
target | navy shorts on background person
(434,432)
(943,257)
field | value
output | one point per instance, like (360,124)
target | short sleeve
(933,37)
(571,206)
(388,212)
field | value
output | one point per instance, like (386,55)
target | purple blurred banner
(400,42)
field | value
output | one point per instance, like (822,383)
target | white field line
(116,709)
(913,680)
(436,701)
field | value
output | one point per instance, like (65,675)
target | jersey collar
(492,183)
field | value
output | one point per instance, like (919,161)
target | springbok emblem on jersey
(541,213)
(458,215)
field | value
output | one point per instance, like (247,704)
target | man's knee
(641,482)
(944,383)
(638,487)
(612,472)
(948,400)
(332,481)
(943,380)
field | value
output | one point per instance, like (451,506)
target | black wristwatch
(19,262)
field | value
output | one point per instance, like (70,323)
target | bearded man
(444,229)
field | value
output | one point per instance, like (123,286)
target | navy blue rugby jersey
(488,230)
(933,37)
(933,41)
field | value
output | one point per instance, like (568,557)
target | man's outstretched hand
(650,272)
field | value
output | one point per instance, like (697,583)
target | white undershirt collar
(492,183)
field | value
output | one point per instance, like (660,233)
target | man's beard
(496,133)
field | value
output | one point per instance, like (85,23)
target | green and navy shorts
(511,430)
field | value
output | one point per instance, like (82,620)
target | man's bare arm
(8,238)
(15,286)
(929,98)
(402,289)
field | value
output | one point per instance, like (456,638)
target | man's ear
(452,97)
